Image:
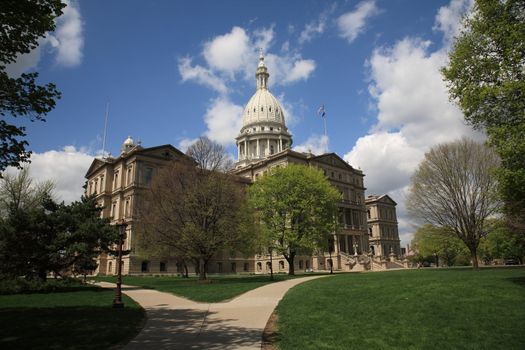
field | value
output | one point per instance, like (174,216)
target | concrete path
(178,323)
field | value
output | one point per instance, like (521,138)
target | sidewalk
(178,323)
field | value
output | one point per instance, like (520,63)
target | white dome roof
(263,107)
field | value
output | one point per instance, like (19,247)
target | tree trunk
(202,268)
(291,267)
(185,269)
(474,257)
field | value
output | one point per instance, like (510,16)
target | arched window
(162,267)
(110,267)
(307,264)
(233,267)
(259,266)
(246,267)
(268,266)
(281,265)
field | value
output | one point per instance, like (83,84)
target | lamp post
(117,302)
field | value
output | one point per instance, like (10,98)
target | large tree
(23,23)
(194,214)
(486,78)
(38,236)
(298,207)
(453,188)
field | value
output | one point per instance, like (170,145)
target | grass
(73,319)
(217,289)
(416,309)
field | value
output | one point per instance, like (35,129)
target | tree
(209,155)
(431,241)
(23,23)
(298,207)
(486,78)
(38,236)
(502,242)
(195,214)
(453,189)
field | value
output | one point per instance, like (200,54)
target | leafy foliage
(23,23)
(191,213)
(453,189)
(486,77)
(431,241)
(298,208)
(38,236)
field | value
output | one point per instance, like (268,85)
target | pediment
(334,160)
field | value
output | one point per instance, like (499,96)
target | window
(300,264)
(271,149)
(259,266)
(144,267)
(262,128)
(368,213)
(127,206)
(96,186)
(90,188)
(270,108)
(370,231)
(271,128)
(307,264)
(110,267)
(332,174)
(219,267)
(115,181)
(114,209)
(128,176)
(246,267)
(268,266)
(340,176)
(162,267)
(102,187)
(329,263)
(233,267)
(281,265)
(262,108)
(148,175)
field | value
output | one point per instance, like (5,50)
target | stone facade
(263,143)
(382,226)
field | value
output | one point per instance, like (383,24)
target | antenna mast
(105,131)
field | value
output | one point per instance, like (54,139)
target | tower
(263,130)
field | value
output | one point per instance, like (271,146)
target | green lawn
(416,309)
(221,288)
(76,319)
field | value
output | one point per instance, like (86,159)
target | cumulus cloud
(316,144)
(201,75)
(224,120)
(66,41)
(233,56)
(449,18)
(353,23)
(316,27)
(68,38)
(66,168)
(413,113)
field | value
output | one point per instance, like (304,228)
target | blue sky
(175,70)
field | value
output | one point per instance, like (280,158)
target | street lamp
(117,302)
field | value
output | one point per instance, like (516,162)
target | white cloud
(288,68)
(67,38)
(314,28)
(228,53)
(224,120)
(413,113)
(449,18)
(316,144)
(66,168)
(184,143)
(351,24)
(67,41)
(201,75)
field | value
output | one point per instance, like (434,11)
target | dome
(128,141)
(127,145)
(262,107)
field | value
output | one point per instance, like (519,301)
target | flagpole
(324,120)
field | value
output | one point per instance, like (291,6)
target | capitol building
(368,239)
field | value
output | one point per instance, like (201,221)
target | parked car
(511,261)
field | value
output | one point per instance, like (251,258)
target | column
(246,150)
(268,146)
(280,144)
(239,151)
(258,150)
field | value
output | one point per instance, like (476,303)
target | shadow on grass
(73,327)
(518,280)
(192,329)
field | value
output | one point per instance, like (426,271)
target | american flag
(321,112)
